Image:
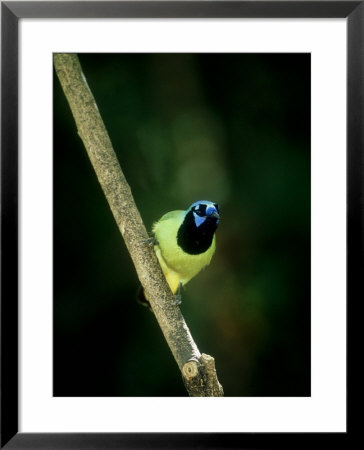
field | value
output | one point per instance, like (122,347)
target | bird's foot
(151,241)
(177,299)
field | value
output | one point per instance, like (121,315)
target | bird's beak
(215,214)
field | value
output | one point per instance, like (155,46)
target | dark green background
(231,128)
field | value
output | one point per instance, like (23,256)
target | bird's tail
(140,296)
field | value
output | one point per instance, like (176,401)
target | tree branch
(198,371)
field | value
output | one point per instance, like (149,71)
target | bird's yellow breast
(177,265)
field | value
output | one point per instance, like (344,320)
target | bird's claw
(177,299)
(150,241)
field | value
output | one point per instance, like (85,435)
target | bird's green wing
(168,216)
(171,215)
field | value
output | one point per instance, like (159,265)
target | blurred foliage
(231,128)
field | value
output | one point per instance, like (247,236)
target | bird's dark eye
(200,209)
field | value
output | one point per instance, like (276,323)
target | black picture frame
(11,12)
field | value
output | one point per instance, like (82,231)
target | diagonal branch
(198,371)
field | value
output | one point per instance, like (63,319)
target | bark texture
(198,371)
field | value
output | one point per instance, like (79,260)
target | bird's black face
(197,230)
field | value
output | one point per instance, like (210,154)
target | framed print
(224,149)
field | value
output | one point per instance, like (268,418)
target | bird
(184,242)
